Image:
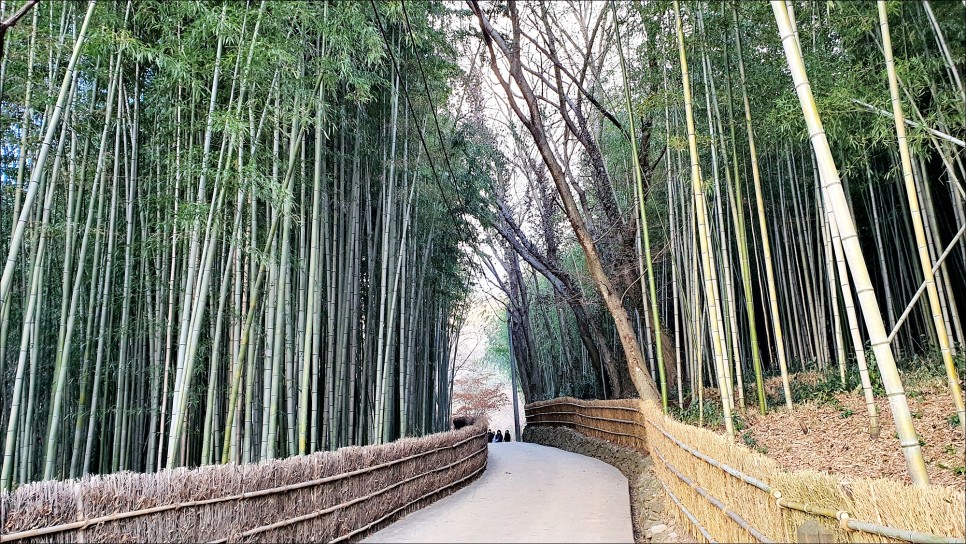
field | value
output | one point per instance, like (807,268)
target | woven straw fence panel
(936,510)
(618,422)
(287,506)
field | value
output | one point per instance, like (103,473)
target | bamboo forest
(239,231)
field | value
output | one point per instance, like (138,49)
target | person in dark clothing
(506,435)
(489,435)
(498,437)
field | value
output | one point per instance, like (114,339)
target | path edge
(647,505)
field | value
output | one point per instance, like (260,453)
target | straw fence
(722,491)
(324,497)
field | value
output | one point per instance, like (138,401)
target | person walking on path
(498,437)
(506,435)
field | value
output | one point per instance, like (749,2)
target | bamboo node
(843,517)
(909,444)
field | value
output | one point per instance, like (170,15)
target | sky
(499,117)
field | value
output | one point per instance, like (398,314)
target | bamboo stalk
(912,123)
(38,167)
(644,230)
(898,534)
(853,320)
(702,231)
(762,223)
(922,286)
(908,440)
(925,260)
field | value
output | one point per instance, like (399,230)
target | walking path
(528,493)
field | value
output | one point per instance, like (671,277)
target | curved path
(528,493)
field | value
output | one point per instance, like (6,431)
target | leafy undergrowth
(828,429)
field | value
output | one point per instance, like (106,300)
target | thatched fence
(324,497)
(724,492)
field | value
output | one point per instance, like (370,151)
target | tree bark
(534,124)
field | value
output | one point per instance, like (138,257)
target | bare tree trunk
(534,124)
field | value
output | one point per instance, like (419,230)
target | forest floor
(833,436)
(829,432)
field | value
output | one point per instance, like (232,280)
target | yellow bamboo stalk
(925,261)
(835,193)
(763,226)
(701,216)
(853,321)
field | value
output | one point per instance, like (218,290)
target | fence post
(79,506)
(812,532)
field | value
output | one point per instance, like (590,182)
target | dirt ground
(833,436)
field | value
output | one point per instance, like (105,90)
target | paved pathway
(528,493)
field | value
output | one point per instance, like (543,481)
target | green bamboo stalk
(908,440)
(645,235)
(38,166)
(765,242)
(704,238)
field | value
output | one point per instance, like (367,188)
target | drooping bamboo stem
(738,216)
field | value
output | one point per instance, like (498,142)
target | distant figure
(489,435)
(498,437)
(506,435)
